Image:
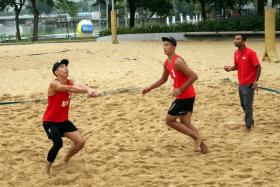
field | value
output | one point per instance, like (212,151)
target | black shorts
(58,128)
(181,106)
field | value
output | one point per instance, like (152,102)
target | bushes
(252,23)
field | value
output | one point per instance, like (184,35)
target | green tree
(63,6)
(159,7)
(109,4)
(72,10)
(223,6)
(35,20)
(261,4)
(132,5)
(203,6)
(239,4)
(17,5)
(38,7)
(260,7)
(45,6)
(68,7)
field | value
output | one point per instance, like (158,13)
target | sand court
(127,141)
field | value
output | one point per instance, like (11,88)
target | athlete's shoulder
(179,60)
(54,82)
(70,82)
(250,50)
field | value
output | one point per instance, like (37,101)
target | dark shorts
(58,128)
(181,106)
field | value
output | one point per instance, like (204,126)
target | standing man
(182,106)
(249,69)
(55,119)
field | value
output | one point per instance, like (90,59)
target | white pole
(113,6)
(181,18)
(269,3)
(173,20)
(193,19)
(188,19)
(167,21)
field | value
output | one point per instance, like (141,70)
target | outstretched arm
(158,83)
(57,86)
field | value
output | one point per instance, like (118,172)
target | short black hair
(243,36)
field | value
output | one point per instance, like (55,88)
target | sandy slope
(128,143)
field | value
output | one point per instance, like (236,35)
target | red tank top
(179,79)
(58,106)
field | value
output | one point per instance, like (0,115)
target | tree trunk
(260,8)
(36,20)
(132,10)
(224,13)
(203,9)
(224,4)
(18,8)
(17,11)
(240,11)
(109,16)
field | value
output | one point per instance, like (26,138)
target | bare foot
(66,159)
(46,174)
(248,129)
(203,148)
(47,170)
(198,142)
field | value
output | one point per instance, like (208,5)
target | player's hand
(92,93)
(255,86)
(176,92)
(227,68)
(146,90)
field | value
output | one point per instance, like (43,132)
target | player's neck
(63,80)
(171,55)
(240,48)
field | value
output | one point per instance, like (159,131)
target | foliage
(252,23)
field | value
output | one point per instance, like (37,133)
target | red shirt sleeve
(254,59)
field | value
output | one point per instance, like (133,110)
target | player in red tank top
(55,119)
(183,78)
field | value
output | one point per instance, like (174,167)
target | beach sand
(127,141)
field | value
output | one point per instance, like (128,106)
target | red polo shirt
(247,62)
